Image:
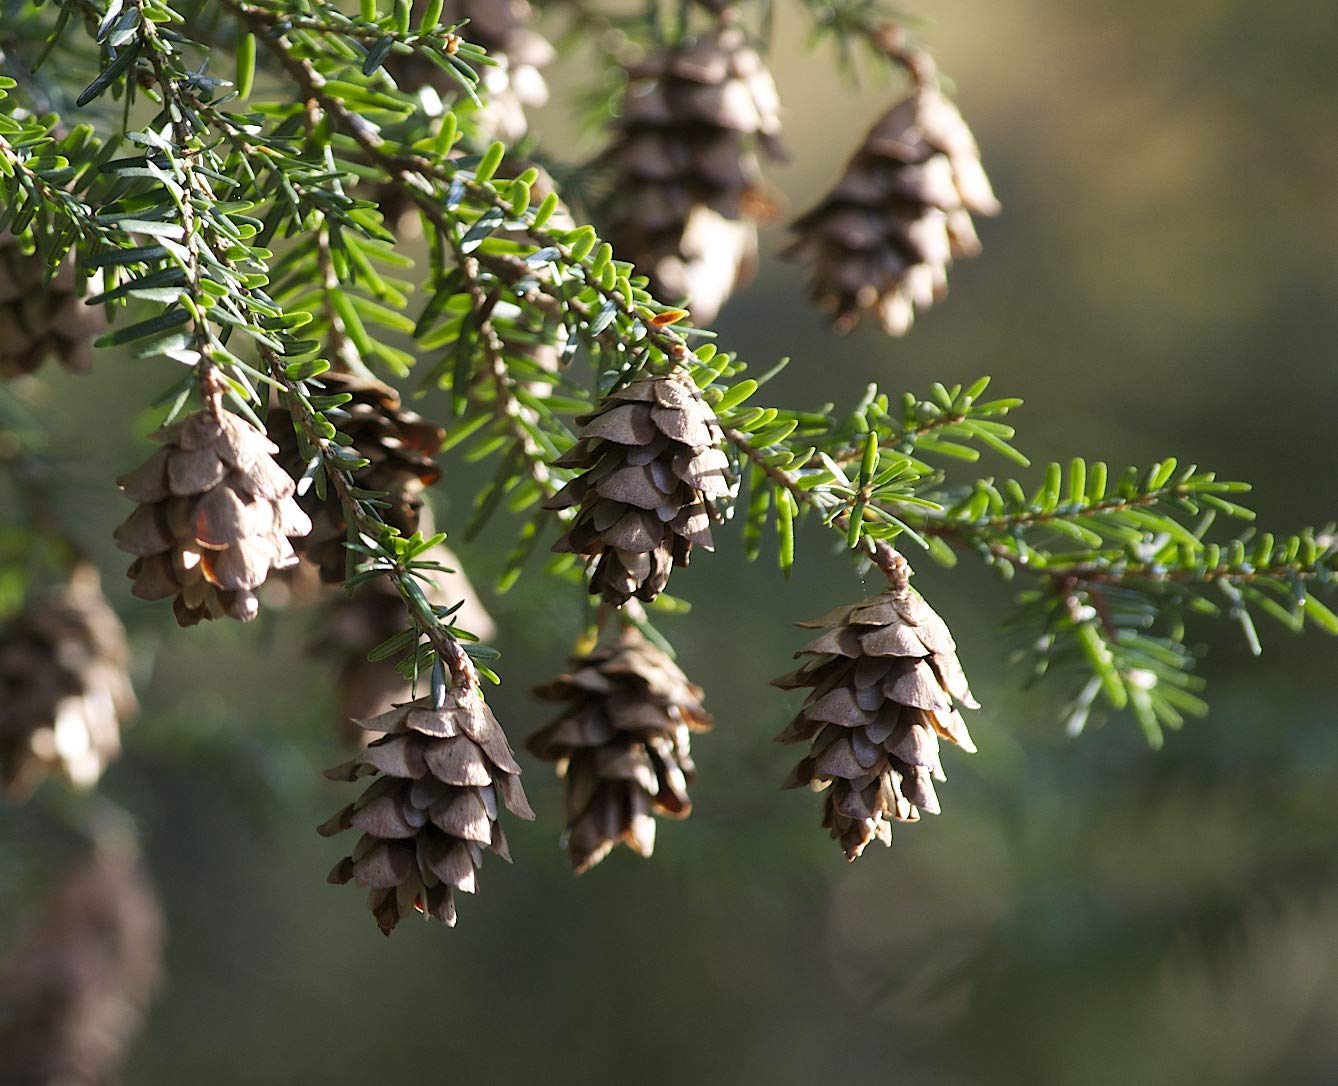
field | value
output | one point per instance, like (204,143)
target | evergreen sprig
(245,238)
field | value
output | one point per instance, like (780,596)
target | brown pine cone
(651,464)
(622,745)
(64,690)
(400,446)
(687,188)
(884,679)
(40,319)
(215,515)
(882,241)
(433,807)
(74,989)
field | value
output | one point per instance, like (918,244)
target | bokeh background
(1163,281)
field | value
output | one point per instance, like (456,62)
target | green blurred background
(1162,282)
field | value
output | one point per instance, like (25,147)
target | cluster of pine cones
(219,521)
(687,194)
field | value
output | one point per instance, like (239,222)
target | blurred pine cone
(433,807)
(509,87)
(882,241)
(687,185)
(64,689)
(400,446)
(74,990)
(621,744)
(354,625)
(884,679)
(651,464)
(41,319)
(215,516)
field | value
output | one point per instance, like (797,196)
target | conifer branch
(172,227)
(203,244)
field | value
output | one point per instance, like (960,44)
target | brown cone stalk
(885,677)
(399,446)
(651,466)
(74,989)
(621,745)
(440,778)
(64,690)
(216,514)
(687,185)
(882,241)
(41,319)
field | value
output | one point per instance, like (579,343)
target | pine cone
(400,446)
(651,466)
(73,991)
(509,87)
(882,241)
(215,516)
(354,625)
(687,188)
(433,808)
(64,690)
(884,680)
(622,745)
(39,319)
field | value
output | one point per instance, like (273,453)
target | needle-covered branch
(260,231)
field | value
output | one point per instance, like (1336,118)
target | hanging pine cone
(354,625)
(215,515)
(64,690)
(433,807)
(884,679)
(41,319)
(651,465)
(510,86)
(687,189)
(74,989)
(399,445)
(622,745)
(882,241)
